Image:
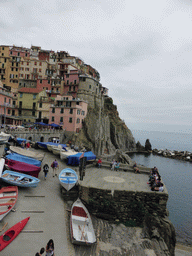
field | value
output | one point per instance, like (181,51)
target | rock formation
(103,131)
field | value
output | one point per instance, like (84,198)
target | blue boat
(19,179)
(25,159)
(68,178)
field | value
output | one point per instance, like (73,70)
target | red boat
(8,198)
(22,167)
(11,233)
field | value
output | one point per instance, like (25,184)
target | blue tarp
(44,144)
(20,140)
(54,125)
(74,159)
(25,159)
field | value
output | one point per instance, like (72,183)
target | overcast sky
(142,50)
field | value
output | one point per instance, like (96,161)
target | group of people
(49,249)
(155,180)
(54,166)
(115,165)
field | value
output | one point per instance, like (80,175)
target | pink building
(68,112)
(71,83)
(8,110)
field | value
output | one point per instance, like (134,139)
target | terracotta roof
(30,90)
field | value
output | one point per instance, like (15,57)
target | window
(61,119)
(40,63)
(40,70)
(35,63)
(5,60)
(48,81)
(12,69)
(40,81)
(62,110)
(78,111)
(2,54)
(3,65)
(70,120)
(27,63)
(34,96)
(16,69)
(13,112)
(9,111)
(9,101)
(84,79)
(25,54)
(5,99)
(17,64)
(52,119)
(71,111)
(11,52)
(74,88)
(20,112)
(75,81)
(77,103)
(90,86)
(67,76)
(70,88)
(67,81)
(21,95)
(33,113)
(3,48)
(53,110)
(40,104)
(18,54)
(78,120)
(82,113)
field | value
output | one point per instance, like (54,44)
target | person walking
(55,166)
(50,248)
(45,170)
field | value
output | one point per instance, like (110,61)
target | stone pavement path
(52,220)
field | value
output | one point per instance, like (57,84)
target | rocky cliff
(103,131)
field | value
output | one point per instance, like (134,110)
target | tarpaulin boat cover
(20,140)
(74,159)
(27,152)
(44,144)
(17,166)
(25,159)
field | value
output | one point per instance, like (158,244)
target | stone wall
(132,208)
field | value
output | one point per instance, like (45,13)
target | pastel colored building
(68,112)
(8,111)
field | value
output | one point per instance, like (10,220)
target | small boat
(12,233)
(56,150)
(22,167)
(19,179)
(81,227)
(27,152)
(2,163)
(24,159)
(8,198)
(64,154)
(4,137)
(68,178)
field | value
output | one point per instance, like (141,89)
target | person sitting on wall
(159,188)
(113,165)
(99,162)
(117,165)
(136,169)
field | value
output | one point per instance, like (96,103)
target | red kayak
(8,199)
(11,233)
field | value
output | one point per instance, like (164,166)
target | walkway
(51,223)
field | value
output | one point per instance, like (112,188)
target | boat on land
(4,137)
(19,179)
(64,154)
(27,153)
(8,199)
(2,163)
(23,159)
(81,227)
(68,178)
(22,167)
(9,235)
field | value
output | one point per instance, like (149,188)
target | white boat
(2,162)
(4,137)
(50,147)
(68,178)
(64,154)
(56,150)
(27,152)
(81,227)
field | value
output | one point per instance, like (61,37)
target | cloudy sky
(142,49)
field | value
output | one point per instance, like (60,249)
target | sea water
(177,176)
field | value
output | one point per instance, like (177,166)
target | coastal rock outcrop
(103,131)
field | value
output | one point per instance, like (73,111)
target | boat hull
(68,178)
(8,199)
(12,233)
(81,227)
(19,179)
